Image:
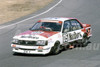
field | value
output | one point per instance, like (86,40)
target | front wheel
(15,53)
(55,49)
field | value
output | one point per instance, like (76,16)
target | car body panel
(50,36)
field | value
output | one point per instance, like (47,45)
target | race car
(51,35)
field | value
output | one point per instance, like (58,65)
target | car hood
(37,34)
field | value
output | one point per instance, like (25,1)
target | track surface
(87,11)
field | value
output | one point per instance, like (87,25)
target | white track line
(33,16)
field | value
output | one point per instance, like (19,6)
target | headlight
(42,42)
(15,41)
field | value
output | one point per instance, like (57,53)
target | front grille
(27,43)
(27,49)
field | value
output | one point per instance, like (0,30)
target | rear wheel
(84,41)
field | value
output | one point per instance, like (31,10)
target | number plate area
(27,51)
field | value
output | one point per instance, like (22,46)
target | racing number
(65,37)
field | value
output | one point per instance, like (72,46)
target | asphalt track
(87,11)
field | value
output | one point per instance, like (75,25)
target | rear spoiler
(86,25)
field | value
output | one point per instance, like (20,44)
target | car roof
(57,18)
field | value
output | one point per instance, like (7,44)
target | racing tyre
(84,41)
(55,49)
(15,53)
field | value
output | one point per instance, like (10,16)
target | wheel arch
(85,35)
(57,42)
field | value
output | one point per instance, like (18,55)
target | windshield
(47,26)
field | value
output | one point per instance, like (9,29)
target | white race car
(50,35)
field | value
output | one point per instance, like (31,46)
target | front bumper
(31,49)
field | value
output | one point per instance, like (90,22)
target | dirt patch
(13,9)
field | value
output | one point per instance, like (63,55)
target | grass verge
(13,9)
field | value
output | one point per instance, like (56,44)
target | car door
(76,32)
(66,31)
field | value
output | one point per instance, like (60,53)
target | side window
(67,26)
(75,25)
(79,26)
